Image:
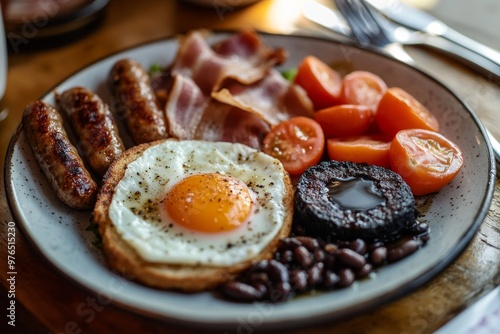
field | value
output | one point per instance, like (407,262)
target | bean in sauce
(303,264)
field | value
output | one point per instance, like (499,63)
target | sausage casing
(94,126)
(136,101)
(57,157)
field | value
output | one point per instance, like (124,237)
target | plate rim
(324,317)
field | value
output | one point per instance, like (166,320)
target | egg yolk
(209,203)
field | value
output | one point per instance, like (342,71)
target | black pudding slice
(345,201)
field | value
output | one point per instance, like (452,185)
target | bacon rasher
(241,57)
(230,91)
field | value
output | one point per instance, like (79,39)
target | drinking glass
(3,68)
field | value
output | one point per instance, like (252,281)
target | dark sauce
(354,194)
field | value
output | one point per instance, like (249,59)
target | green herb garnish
(289,74)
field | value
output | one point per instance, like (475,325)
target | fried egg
(200,203)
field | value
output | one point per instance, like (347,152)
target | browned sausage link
(136,101)
(57,157)
(94,126)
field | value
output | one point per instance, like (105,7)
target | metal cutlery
(370,33)
(401,35)
(326,17)
(372,29)
(416,19)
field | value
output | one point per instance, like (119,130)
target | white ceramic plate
(454,213)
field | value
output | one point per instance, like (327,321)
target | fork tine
(370,29)
(378,22)
(364,25)
(352,18)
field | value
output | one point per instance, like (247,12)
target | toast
(123,258)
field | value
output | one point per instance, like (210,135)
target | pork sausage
(57,157)
(94,127)
(136,101)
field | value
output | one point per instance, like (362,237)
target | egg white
(136,213)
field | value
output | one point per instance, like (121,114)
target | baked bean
(364,271)
(314,274)
(351,259)
(319,255)
(419,228)
(280,292)
(374,245)
(302,256)
(406,248)
(303,263)
(278,273)
(289,243)
(261,265)
(330,279)
(261,288)
(359,246)
(298,279)
(258,278)
(310,243)
(286,256)
(378,255)
(346,277)
(241,291)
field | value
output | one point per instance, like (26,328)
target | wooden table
(47,302)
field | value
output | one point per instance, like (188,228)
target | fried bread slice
(124,259)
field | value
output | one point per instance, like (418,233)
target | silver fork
(371,29)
